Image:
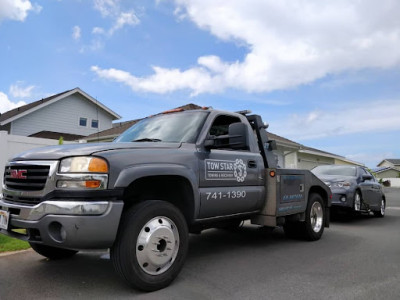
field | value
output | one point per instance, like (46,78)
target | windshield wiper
(147,140)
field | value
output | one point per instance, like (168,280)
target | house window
(82,122)
(95,123)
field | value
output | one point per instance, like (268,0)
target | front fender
(132,173)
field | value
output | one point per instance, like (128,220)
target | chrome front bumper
(66,224)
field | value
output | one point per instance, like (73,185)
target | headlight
(83,164)
(341,184)
(83,172)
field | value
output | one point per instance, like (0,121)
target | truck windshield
(335,170)
(182,127)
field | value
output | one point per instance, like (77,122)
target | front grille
(26,177)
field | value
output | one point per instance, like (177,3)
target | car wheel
(357,202)
(381,212)
(53,253)
(151,245)
(313,227)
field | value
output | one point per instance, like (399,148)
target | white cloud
(106,7)
(372,117)
(289,43)
(17,10)
(6,104)
(98,30)
(124,18)
(14,9)
(112,9)
(76,33)
(17,90)
(95,45)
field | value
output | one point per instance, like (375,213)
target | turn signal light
(98,165)
(92,184)
(272,173)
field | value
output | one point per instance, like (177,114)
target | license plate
(4,219)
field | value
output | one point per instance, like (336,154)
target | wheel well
(319,190)
(174,189)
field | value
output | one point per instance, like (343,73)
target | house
(386,172)
(390,162)
(297,156)
(389,170)
(289,153)
(72,114)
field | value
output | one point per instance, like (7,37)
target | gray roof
(383,169)
(10,115)
(19,110)
(394,161)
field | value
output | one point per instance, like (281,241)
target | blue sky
(322,73)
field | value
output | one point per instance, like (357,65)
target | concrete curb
(14,252)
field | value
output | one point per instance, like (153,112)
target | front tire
(151,245)
(381,212)
(357,202)
(52,252)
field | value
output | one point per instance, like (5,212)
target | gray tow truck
(167,176)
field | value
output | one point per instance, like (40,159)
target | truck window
(181,127)
(220,126)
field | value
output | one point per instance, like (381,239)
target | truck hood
(57,152)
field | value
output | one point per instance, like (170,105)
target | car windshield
(335,170)
(182,127)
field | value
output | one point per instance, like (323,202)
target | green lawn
(11,244)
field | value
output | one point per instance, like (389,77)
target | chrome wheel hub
(316,215)
(382,207)
(357,202)
(157,245)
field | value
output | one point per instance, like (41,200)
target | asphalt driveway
(357,258)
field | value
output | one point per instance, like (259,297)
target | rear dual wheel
(151,245)
(313,226)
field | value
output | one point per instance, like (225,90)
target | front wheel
(313,227)
(357,202)
(381,212)
(52,252)
(151,245)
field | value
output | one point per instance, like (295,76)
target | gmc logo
(18,174)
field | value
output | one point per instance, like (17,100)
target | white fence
(11,145)
(394,182)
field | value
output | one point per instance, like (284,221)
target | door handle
(252,164)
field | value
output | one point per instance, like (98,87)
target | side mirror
(238,136)
(235,139)
(272,145)
(366,177)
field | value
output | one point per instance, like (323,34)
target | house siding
(309,161)
(63,116)
(388,174)
(342,162)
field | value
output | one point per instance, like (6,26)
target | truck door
(231,180)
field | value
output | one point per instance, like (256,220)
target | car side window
(220,127)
